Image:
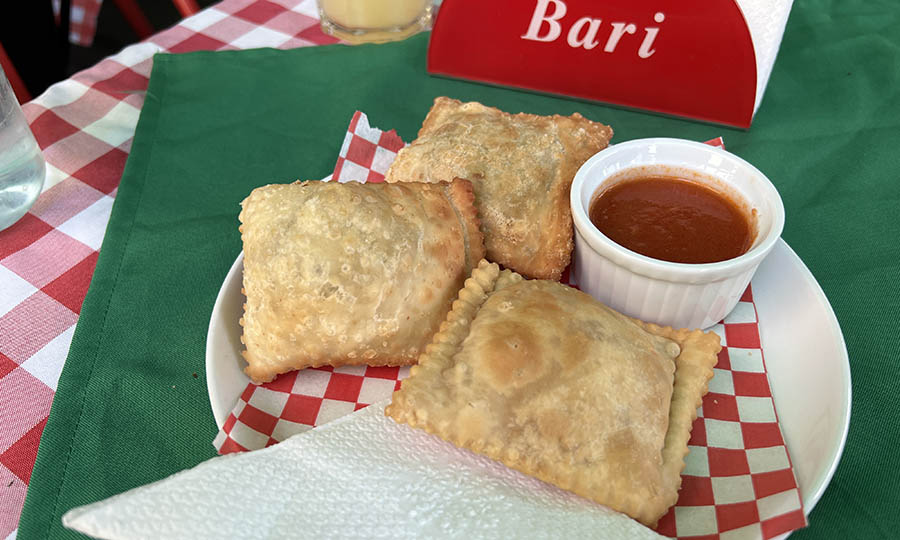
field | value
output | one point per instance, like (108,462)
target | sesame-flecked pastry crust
(521,165)
(547,380)
(346,274)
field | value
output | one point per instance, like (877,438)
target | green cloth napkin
(131,405)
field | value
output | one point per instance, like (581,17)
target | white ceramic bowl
(670,294)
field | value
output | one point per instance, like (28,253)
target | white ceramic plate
(804,349)
(809,371)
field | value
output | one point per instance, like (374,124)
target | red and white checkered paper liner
(738,481)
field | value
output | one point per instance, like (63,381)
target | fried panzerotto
(521,166)
(547,380)
(338,274)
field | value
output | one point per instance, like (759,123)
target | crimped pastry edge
(486,278)
(693,370)
(446,341)
(461,195)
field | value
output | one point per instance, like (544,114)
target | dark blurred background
(39,49)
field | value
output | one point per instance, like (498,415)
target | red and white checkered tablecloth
(82,20)
(85,125)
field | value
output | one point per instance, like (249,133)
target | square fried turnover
(344,274)
(521,165)
(551,382)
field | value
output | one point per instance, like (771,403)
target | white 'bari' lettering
(540,16)
(589,40)
(645,51)
(583,33)
(619,30)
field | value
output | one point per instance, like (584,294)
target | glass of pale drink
(374,21)
(22,166)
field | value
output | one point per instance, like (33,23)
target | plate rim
(212,336)
(815,492)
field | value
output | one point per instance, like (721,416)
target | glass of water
(22,166)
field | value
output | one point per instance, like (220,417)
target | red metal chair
(18,85)
(135,18)
(186,7)
(138,22)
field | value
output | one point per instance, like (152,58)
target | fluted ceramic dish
(671,294)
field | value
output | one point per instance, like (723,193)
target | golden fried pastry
(522,167)
(338,274)
(547,380)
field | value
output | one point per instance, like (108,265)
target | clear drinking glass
(22,165)
(374,21)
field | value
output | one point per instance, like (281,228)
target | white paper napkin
(766,20)
(361,476)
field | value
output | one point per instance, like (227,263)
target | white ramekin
(666,293)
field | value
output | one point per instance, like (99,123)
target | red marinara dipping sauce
(673,219)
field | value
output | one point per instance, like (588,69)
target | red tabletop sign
(691,58)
